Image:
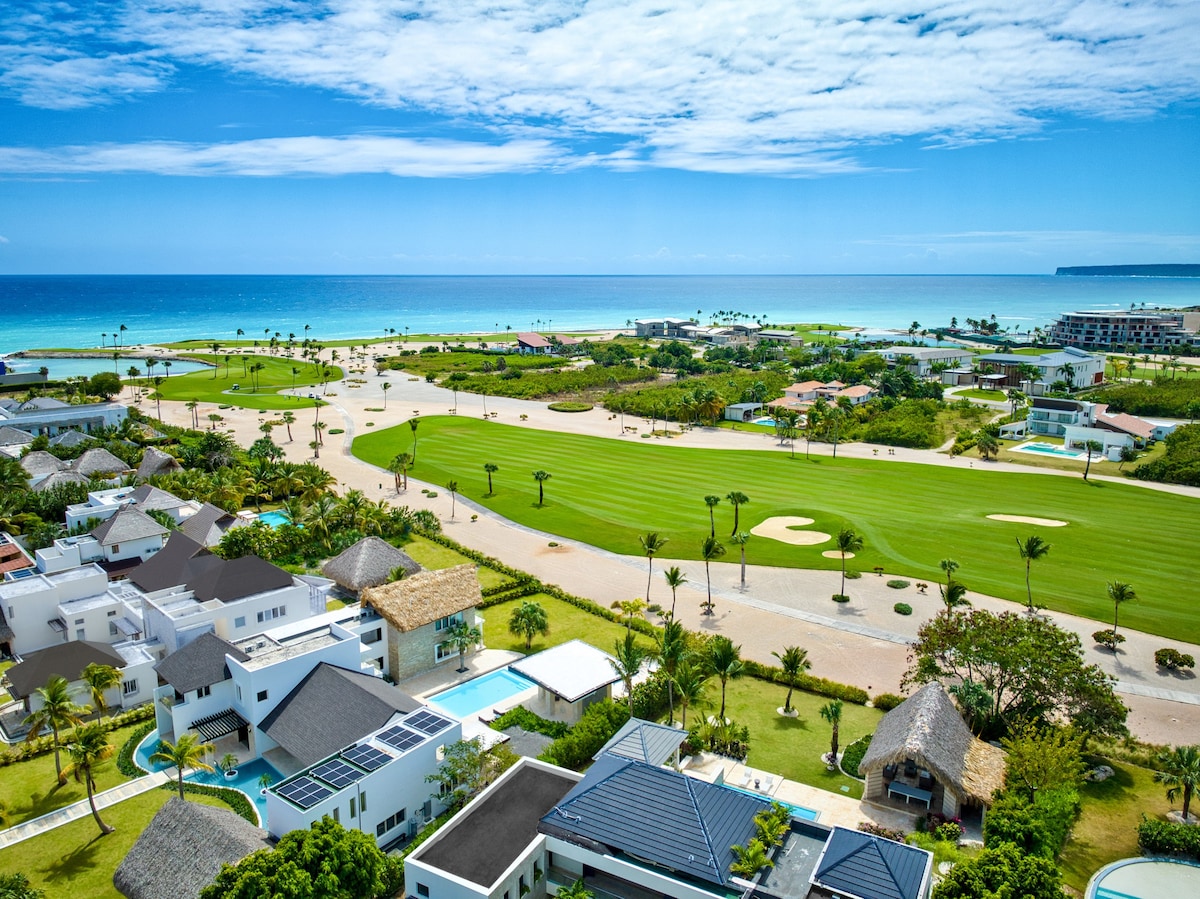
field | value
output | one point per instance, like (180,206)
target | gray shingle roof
(330,709)
(62,660)
(200,663)
(127,525)
(666,818)
(209,524)
(148,498)
(98,461)
(71,438)
(169,566)
(41,403)
(644,741)
(184,562)
(14,436)
(869,867)
(368,563)
(182,850)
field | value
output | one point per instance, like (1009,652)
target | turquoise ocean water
(84,311)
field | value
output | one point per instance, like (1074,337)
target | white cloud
(289,156)
(769,87)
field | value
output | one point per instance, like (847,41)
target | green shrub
(1109,638)
(597,726)
(125,763)
(526,720)
(902,608)
(333,431)
(879,830)
(1039,827)
(806,682)
(570,407)
(853,574)
(1172,658)
(885,702)
(840,597)
(897,584)
(854,754)
(235,799)
(1169,838)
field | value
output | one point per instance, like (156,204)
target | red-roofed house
(529,342)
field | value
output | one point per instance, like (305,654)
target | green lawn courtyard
(608,492)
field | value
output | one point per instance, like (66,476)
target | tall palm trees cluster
(263,478)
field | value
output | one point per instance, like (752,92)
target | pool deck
(445,676)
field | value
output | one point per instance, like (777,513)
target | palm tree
(725,661)
(1180,772)
(398,466)
(56,712)
(710,549)
(1092,446)
(1119,592)
(948,566)
(491,468)
(651,542)
(691,686)
(576,890)
(848,543)
(99,679)
(541,477)
(751,858)
(88,749)
(527,619)
(832,712)
(387,385)
(628,656)
(187,752)
(794,660)
(289,418)
(1031,548)
(738,499)
(954,595)
(712,502)
(413,423)
(740,539)
(671,651)
(463,637)
(452,486)
(675,579)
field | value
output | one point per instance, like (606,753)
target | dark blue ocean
(85,310)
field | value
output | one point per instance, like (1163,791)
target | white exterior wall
(134,549)
(193,708)
(30,602)
(1078,438)
(96,618)
(647,878)
(231,621)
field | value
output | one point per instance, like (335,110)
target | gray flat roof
(494,831)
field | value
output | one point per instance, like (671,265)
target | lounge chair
(889,771)
(910,768)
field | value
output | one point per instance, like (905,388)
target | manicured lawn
(995,396)
(74,860)
(1107,828)
(607,492)
(432,555)
(202,386)
(566,623)
(30,789)
(792,746)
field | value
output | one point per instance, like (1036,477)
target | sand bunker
(780,528)
(1025,519)
(834,554)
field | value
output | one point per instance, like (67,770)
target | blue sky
(628,136)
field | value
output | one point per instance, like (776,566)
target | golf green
(608,492)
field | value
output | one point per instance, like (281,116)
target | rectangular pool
(1049,449)
(798,811)
(482,693)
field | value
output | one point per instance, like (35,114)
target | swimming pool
(798,811)
(274,519)
(1048,449)
(247,780)
(769,422)
(1145,878)
(482,694)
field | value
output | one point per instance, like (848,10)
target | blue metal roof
(657,815)
(869,867)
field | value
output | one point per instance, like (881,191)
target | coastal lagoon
(84,311)
(73,366)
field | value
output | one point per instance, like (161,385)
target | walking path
(82,809)
(862,642)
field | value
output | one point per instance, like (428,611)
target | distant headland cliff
(1132,271)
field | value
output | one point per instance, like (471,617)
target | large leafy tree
(58,710)
(527,620)
(325,861)
(88,749)
(186,752)
(1002,871)
(467,768)
(1180,772)
(1043,758)
(1030,668)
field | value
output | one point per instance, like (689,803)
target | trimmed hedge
(808,683)
(898,584)
(1168,838)
(854,755)
(526,720)
(42,745)
(575,748)
(125,763)
(570,406)
(235,799)
(902,608)
(885,702)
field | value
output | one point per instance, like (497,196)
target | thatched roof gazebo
(923,753)
(182,850)
(368,563)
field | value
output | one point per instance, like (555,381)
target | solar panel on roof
(367,757)
(304,792)
(400,738)
(337,773)
(427,722)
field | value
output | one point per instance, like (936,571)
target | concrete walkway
(82,808)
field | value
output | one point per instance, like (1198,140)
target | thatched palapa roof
(99,461)
(40,462)
(425,597)
(156,462)
(182,850)
(927,727)
(368,563)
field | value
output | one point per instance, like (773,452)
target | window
(443,623)
(262,695)
(240,621)
(362,801)
(129,687)
(80,634)
(203,691)
(79,621)
(445,651)
(112,629)
(116,547)
(373,636)
(422,890)
(112,613)
(337,814)
(352,807)
(390,822)
(239,692)
(272,613)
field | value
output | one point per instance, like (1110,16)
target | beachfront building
(182,850)
(1142,331)
(1080,423)
(570,677)
(923,753)
(661,328)
(924,362)
(629,828)
(1036,375)
(800,397)
(374,781)
(45,415)
(133,661)
(418,613)
(779,338)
